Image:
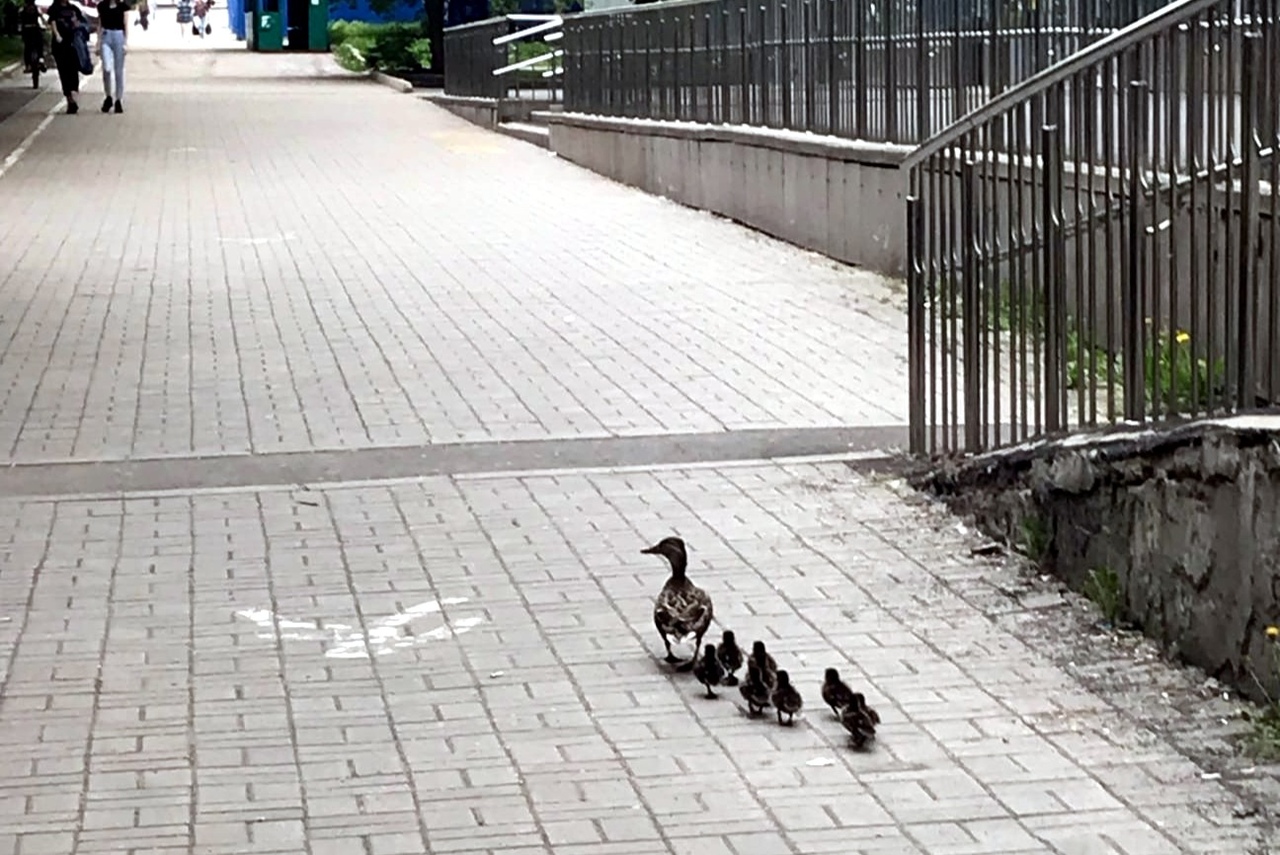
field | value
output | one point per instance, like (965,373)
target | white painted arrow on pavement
(347,642)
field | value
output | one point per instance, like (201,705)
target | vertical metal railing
(892,71)
(470,57)
(518,57)
(1099,244)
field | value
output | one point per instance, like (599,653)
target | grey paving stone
(274,298)
(536,725)
(466,663)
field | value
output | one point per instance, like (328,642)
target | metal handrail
(548,24)
(1101,50)
(647,7)
(528,63)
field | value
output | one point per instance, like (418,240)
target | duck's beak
(650,550)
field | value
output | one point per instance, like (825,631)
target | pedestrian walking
(144,14)
(201,10)
(70,49)
(113,43)
(32,23)
(185,14)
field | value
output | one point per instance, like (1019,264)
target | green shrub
(360,45)
(350,56)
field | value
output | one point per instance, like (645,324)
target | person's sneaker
(119,107)
(73,108)
(106,104)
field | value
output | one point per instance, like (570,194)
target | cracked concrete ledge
(1143,696)
(1188,519)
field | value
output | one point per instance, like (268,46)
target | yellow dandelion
(1182,337)
(1273,633)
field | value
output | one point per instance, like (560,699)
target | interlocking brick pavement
(543,722)
(464,663)
(257,265)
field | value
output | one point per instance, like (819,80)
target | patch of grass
(390,47)
(1035,538)
(1266,726)
(349,56)
(10,49)
(1103,588)
(1185,381)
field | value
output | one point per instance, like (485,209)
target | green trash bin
(318,26)
(268,28)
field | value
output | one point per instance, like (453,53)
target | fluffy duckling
(763,662)
(835,692)
(786,698)
(860,720)
(682,609)
(730,657)
(708,670)
(755,691)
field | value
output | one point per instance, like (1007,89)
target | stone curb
(9,70)
(394,82)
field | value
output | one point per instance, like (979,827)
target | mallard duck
(764,663)
(786,699)
(755,690)
(708,670)
(682,609)
(730,657)
(835,692)
(860,720)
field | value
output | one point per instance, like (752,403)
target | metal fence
(470,58)
(513,57)
(1100,243)
(891,71)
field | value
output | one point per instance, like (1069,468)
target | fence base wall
(1187,518)
(842,198)
(478,111)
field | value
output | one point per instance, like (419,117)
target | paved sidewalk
(294,265)
(264,255)
(209,655)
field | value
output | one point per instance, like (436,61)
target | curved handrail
(1105,48)
(634,9)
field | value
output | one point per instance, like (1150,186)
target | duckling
(708,670)
(755,691)
(730,657)
(764,663)
(786,698)
(860,720)
(682,609)
(835,692)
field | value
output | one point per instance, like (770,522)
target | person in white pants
(113,40)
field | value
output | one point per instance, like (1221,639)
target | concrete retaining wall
(838,197)
(478,111)
(1187,518)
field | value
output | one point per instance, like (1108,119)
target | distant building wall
(359,10)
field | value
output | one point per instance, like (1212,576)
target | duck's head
(757,649)
(859,700)
(832,676)
(784,679)
(672,548)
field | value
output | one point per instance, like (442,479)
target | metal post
(833,87)
(1133,305)
(916,332)
(1053,249)
(1250,204)
(971,306)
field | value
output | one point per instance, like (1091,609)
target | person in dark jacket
(32,36)
(69,25)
